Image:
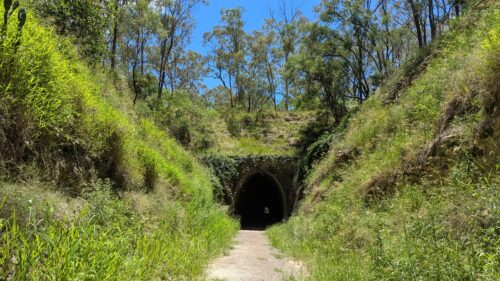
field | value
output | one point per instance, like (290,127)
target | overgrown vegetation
(63,129)
(410,189)
(260,133)
(391,105)
(102,237)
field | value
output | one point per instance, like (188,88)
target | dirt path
(253,259)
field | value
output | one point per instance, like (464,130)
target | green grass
(260,133)
(107,238)
(441,223)
(63,128)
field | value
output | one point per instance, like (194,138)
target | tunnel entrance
(259,202)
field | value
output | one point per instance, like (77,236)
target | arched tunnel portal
(259,190)
(260,201)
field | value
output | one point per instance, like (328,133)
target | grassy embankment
(410,190)
(260,133)
(64,129)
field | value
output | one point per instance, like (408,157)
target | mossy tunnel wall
(264,190)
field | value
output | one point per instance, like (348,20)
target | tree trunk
(416,20)
(143,43)
(287,94)
(116,31)
(287,87)
(161,74)
(134,67)
(424,29)
(164,59)
(113,46)
(457,5)
(134,83)
(432,22)
(249,103)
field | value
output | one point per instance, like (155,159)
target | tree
(262,70)
(286,24)
(186,72)
(117,22)
(228,53)
(176,25)
(322,71)
(357,37)
(415,10)
(85,20)
(139,25)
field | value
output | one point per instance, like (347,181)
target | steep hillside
(410,189)
(88,190)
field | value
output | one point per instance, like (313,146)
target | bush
(185,118)
(83,21)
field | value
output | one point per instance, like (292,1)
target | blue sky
(208,16)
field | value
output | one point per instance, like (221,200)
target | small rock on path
(253,259)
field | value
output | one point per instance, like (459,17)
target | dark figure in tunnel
(260,202)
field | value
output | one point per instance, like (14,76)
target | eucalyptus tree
(432,17)
(286,22)
(117,24)
(259,78)
(266,56)
(139,27)
(357,37)
(322,72)
(176,24)
(187,72)
(228,53)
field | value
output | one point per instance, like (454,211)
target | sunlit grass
(155,218)
(440,228)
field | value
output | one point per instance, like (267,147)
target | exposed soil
(253,259)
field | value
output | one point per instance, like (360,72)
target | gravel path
(253,259)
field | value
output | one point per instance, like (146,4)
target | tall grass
(439,223)
(107,239)
(155,218)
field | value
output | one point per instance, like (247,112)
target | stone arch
(259,200)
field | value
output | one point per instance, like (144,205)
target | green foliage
(9,9)
(185,117)
(109,239)
(323,137)
(225,170)
(7,4)
(436,217)
(261,133)
(324,71)
(86,21)
(72,125)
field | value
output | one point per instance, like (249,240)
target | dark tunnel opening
(260,202)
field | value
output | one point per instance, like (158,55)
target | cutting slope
(93,191)
(410,190)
